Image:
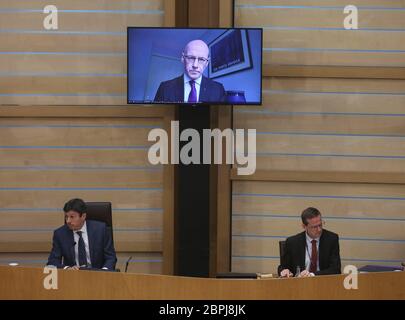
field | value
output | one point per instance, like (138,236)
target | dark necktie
(314,257)
(192,97)
(82,250)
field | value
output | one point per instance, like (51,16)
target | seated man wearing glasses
(312,252)
(192,86)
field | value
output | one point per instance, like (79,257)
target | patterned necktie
(314,257)
(192,97)
(82,250)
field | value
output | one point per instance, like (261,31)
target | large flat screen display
(195,66)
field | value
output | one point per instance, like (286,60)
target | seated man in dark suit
(192,86)
(315,251)
(81,242)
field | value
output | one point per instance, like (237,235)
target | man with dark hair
(313,252)
(80,242)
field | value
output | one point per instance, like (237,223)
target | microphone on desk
(126,265)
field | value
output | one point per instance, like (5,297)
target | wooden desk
(27,283)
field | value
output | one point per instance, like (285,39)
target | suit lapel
(203,90)
(90,236)
(302,250)
(179,94)
(321,249)
(71,247)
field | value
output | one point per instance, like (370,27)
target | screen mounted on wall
(194,66)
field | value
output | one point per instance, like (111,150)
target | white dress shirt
(308,252)
(86,244)
(187,87)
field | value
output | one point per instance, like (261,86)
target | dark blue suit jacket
(102,252)
(173,91)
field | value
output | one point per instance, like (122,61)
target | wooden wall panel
(335,3)
(313,124)
(84,21)
(63,165)
(62,64)
(40,188)
(324,17)
(84,5)
(83,62)
(312,32)
(368,218)
(72,134)
(37,218)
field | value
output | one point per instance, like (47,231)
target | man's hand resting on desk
(306,273)
(72,268)
(286,273)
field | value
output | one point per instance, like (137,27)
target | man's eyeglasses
(192,59)
(321,225)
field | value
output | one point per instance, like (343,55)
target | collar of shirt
(187,79)
(309,239)
(83,229)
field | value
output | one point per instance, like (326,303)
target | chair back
(281,245)
(100,211)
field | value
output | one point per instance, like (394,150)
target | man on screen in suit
(80,242)
(192,86)
(315,251)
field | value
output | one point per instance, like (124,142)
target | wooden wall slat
(113,178)
(330,189)
(68,64)
(85,5)
(316,58)
(335,207)
(57,85)
(37,157)
(369,3)
(86,111)
(37,219)
(324,102)
(46,199)
(321,123)
(82,21)
(370,229)
(63,43)
(335,85)
(330,163)
(321,18)
(307,143)
(62,100)
(322,39)
(125,137)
